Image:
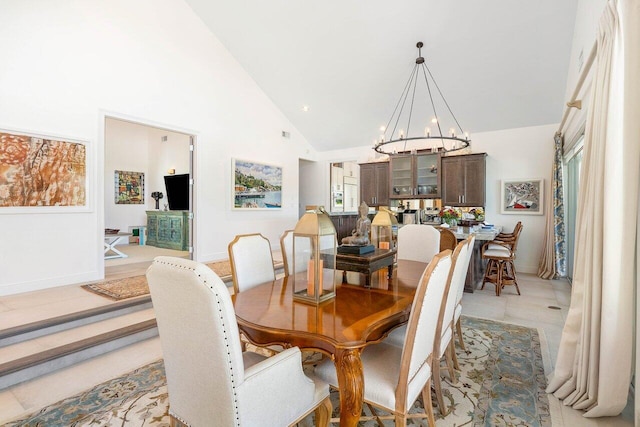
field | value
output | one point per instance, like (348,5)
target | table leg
(390,274)
(351,383)
(344,276)
(110,246)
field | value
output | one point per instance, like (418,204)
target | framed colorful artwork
(522,196)
(129,188)
(256,185)
(42,173)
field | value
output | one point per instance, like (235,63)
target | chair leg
(459,333)
(375,415)
(401,420)
(323,413)
(435,375)
(456,365)
(499,278)
(486,273)
(513,274)
(451,363)
(428,405)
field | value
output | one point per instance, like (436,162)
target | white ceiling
(501,64)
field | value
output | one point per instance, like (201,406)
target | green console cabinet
(168,229)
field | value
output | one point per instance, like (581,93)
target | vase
(453,222)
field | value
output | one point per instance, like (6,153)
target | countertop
(464,232)
(481,234)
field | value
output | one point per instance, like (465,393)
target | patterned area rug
(136,286)
(502,382)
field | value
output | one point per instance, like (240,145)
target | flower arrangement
(448,214)
(478,213)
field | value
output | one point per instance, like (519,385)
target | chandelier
(455,139)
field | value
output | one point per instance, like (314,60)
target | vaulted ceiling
(500,64)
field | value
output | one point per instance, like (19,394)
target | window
(572,166)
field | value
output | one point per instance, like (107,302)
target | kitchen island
(475,273)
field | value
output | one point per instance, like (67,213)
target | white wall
(588,15)
(514,154)
(65,65)
(511,154)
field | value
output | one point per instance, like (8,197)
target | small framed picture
(129,188)
(522,196)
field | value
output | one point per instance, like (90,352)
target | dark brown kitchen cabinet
(344,225)
(463,180)
(374,183)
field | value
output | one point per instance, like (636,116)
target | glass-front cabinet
(427,175)
(415,176)
(402,182)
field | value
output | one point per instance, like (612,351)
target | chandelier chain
(444,99)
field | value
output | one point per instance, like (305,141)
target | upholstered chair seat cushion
(381,366)
(497,251)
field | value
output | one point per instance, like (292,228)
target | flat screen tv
(177,191)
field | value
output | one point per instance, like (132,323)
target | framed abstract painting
(522,196)
(42,173)
(129,188)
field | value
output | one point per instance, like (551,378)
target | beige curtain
(593,369)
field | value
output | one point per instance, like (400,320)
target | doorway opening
(148,193)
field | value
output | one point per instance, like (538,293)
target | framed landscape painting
(256,185)
(522,196)
(129,188)
(42,173)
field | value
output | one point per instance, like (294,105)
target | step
(43,354)
(39,328)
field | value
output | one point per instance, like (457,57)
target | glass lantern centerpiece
(382,229)
(314,258)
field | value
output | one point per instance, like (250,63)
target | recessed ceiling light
(305,108)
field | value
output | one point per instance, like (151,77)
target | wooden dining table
(340,327)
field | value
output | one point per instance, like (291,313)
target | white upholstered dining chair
(211,382)
(444,345)
(286,246)
(418,242)
(251,261)
(251,264)
(394,376)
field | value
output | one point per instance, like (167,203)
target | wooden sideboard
(168,229)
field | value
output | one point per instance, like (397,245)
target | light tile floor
(531,309)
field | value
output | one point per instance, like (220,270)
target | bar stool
(500,254)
